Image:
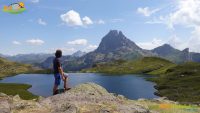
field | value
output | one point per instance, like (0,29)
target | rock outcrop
(90,98)
(85,98)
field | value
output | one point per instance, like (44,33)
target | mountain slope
(168,52)
(78,54)
(180,83)
(8,68)
(146,65)
(29,58)
(195,57)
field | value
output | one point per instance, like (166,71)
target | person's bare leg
(65,83)
(55,89)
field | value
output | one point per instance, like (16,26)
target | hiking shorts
(57,79)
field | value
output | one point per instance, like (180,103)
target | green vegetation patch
(180,83)
(8,68)
(17,89)
(146,65)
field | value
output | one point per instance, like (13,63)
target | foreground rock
(85,98)
(90,98)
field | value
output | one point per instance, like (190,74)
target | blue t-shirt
(56,65)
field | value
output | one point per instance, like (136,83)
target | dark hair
(58,53)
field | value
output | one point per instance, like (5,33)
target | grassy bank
(180,83)
(14,89)
(8,68)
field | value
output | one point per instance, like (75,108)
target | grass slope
(146,65)
(8,68)
(181,83)
(14,89)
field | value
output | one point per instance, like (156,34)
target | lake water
(131,86)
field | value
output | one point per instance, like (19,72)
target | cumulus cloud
(90,48)
(41,22)
(87,20)
(73,18)
(16,42)
(185,13)
(35,41)
(152,44)
(78,42)
(146,11)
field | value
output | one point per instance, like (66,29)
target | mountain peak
(167,46)
(115,40)
(186,50)
(78,54)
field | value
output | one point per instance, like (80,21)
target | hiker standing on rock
(58,73)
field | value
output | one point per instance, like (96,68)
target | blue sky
(73,25)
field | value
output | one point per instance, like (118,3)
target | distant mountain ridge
(33,59)
(113,46)
(168,52)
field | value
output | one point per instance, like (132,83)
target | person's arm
(61,72)
(60,69)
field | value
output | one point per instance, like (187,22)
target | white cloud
(185,13)
(35,42)
(151,45)
(16,42)
(35,1)
(78,42)
(90,48)
(146,11)
(41,22)
(72,18)
(87,21)
(100,22)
